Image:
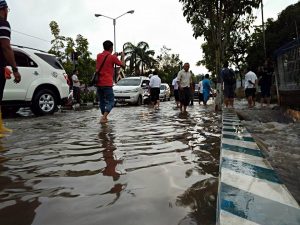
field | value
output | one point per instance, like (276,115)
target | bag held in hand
(96,75)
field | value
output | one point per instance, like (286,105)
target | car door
(29,71)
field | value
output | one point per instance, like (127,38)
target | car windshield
(162,87)
(129,82)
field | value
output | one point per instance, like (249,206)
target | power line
(28,35)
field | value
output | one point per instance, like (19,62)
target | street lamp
(114,23)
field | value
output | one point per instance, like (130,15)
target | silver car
(165,92)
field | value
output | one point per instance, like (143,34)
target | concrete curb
(249,192)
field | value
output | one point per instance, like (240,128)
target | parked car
(165,92)
(131,90)
(196,91)
(43,85)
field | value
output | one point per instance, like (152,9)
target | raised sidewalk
(250,192)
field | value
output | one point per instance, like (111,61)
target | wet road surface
(144,167)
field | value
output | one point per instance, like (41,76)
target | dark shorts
(76,94)
(176,95)
(265,90)
(184,96)
(200,97)
(250,92)
(154,93)
(229,91)
(2,83)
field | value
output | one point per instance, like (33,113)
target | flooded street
(144,167)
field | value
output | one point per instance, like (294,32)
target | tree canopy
(139,56)
(278,32)
(216,20)
(65,47)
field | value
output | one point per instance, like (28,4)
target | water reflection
(106,137)
(143,167)
(14,196)
(201,199)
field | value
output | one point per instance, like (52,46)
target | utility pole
(263,28)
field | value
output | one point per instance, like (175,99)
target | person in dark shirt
(6,57)
(266,83)
(229,85)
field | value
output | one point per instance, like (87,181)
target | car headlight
(134,90)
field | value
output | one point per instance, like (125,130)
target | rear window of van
(51,60)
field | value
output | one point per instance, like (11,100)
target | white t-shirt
(155,82)
(201,87)
(250,76)
(175,84)
(184,78)
(75,78)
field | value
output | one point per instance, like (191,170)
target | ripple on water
(142,166)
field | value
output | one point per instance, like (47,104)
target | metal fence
(288,62)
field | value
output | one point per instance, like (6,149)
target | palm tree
(139,57)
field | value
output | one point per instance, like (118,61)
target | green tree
(277,33)
(58,41)
(140,58)
(169,64)
(215,20)
(64,47)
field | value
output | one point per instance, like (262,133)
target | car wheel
(139,101)
(44,102)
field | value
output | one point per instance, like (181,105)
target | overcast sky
(157,22)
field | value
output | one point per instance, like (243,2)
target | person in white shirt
(250,87)
(184,80)
(200,90)
(76,86)
(176,92)
(155,83)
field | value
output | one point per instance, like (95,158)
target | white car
(165,92)
(43,85)
(131,90)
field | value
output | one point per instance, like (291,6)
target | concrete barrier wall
(250,192)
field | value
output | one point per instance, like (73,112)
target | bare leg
(158,102)
(231,100)
(250,101)
(226,101)
(104,118)
(262,102)
(268,101)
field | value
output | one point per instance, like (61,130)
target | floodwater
(144,167)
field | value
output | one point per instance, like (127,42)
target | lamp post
(114,23)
